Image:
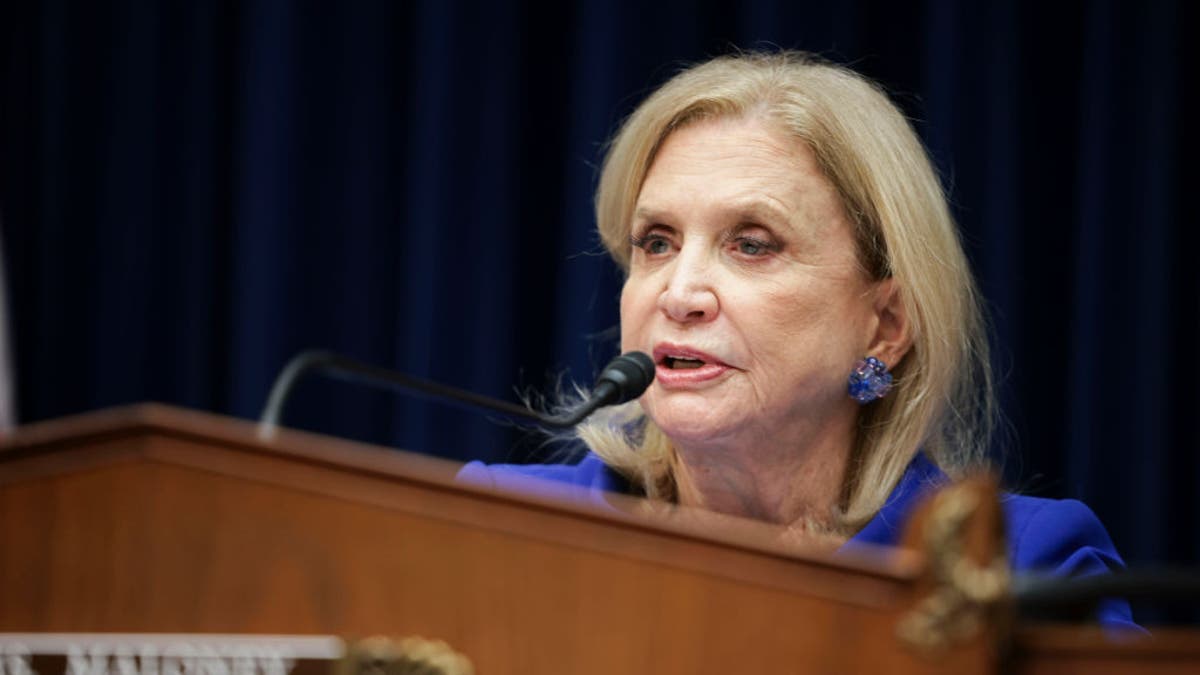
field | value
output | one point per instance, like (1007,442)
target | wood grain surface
(150,519)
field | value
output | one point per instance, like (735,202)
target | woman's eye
(753,247)
(652,243)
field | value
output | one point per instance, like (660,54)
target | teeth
(682,362)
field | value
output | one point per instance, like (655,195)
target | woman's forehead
(750,166)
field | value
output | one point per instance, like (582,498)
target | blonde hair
(942,402)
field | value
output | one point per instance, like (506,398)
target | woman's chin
(694,421)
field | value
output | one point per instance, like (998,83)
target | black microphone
(623,379)
(1054,598)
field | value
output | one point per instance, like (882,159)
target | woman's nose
(689,296)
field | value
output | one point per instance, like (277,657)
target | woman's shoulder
(559,479)
(1061,535)
(1058,537)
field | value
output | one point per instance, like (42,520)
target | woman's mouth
(681,367)
(681,363)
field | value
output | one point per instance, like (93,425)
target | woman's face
(744,286)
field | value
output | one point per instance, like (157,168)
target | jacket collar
(885,528)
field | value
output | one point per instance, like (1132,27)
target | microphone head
(626,376)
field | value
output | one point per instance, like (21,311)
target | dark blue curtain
(192,192)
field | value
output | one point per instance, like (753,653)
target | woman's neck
(778,483)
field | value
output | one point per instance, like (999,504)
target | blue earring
(869,380)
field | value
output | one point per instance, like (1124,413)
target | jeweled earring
(869,380)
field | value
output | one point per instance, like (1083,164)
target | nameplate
(166,654)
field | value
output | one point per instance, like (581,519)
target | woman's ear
(893,328)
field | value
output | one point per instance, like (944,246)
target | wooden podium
(150,519)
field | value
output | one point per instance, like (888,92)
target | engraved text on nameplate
(162,654)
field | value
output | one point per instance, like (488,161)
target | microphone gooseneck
(623,379)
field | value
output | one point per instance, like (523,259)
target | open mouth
(681,363)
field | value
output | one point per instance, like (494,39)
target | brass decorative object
(965,592)
(407,656)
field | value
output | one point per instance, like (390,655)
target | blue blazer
(1051,536)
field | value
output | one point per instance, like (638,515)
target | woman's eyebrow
(760,211)
(753,210)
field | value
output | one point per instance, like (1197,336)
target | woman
(793,269)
